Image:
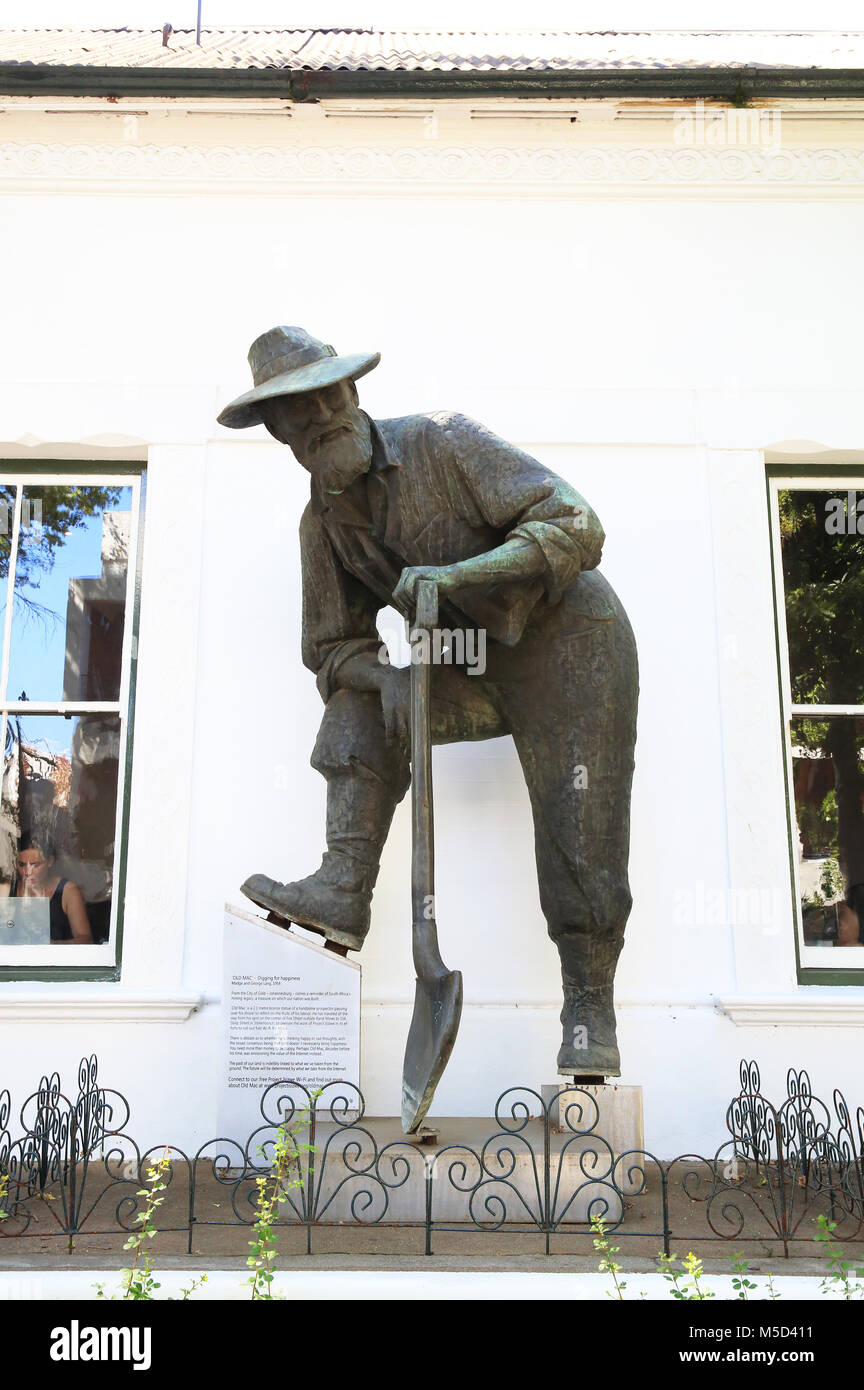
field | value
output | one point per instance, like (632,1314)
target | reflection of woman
(37,879)
(840,922)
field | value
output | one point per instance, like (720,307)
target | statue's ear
(267,421)
(272,430)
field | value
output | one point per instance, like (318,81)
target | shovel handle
(427,958)
(427,605)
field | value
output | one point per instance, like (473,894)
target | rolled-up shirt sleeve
(517,495)
(339,613)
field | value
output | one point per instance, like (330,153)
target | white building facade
(658,298)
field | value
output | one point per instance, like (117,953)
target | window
(68,553)
(818,551)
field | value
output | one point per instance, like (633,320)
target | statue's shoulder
(429,426)
(453,423)
(404,427)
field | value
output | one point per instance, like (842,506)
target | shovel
(438,991)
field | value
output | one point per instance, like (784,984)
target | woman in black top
(37,879)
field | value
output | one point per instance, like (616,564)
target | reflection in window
(65,558)
(70,594)
(58,812)
(828,785)
(823,581)
(822,561)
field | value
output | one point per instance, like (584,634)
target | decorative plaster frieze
(550,165)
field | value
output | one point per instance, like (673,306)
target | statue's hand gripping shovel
(438,991)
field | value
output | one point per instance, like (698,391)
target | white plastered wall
(647,336)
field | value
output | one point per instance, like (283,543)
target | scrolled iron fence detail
(69,1167)
(786,1164)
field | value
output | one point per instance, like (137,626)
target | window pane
(828,780)
(7,515)
(823,579)
(70,593)
(57,822)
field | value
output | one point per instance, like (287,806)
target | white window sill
(831,1007)
(95,1004)
(75,956)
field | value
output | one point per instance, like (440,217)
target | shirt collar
(383,456)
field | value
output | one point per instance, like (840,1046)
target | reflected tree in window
(823,575)
(53,513)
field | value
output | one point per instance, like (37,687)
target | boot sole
(573,1074)
(273,905)
(601,1066)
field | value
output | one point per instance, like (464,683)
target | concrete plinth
(617,1110)
(506,1171)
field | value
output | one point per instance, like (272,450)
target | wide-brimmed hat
(286,362)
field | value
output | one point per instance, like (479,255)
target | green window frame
(86,961)
(846,965)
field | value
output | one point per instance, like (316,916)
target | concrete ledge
(383,1285)
(804,1010)
(102,1005)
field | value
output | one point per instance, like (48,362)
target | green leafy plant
(773,1293)
(271,1191)
(671,1274)
(185,1293)
(830,879)
(740,1269)
(607,1252)
(838,1278)
(693,1267)
(196,1284)
(4,1188)
(138,1283)
(690,1270)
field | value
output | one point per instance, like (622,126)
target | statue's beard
(336,459)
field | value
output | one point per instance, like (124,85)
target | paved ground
(482,1262)
(377,1246)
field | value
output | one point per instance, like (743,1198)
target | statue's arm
(341,642)
(551,531)
(515,559)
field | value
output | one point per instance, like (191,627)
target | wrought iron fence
(69,1168)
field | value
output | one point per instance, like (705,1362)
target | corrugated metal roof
(423,50)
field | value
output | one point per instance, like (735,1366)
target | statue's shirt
(441,488)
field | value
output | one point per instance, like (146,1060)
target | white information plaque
(291,1010)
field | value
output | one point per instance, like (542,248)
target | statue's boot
(590,1041)
(336,900)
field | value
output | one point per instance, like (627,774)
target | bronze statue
(513,550)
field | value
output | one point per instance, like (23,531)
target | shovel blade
(434,1025)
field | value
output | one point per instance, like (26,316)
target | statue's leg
(572,710)
(367,776)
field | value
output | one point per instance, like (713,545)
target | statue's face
(325,430)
